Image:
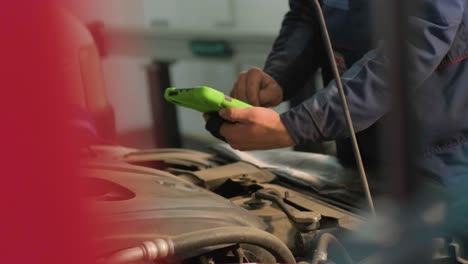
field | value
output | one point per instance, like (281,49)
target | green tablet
(202,98)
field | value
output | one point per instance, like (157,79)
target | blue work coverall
(439,78)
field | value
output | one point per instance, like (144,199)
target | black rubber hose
(180,246)
(321,251)
(270,195)
(233,235)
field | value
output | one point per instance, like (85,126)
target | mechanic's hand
(254,128)
(257,88)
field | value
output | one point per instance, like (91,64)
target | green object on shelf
(207,48)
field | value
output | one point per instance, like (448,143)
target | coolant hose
(321,251)
(186,243)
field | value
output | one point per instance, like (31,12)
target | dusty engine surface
(175,205)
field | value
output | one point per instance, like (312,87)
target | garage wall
(126,78)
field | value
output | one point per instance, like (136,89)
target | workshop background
(130,72)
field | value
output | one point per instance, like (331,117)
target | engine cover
(136,204)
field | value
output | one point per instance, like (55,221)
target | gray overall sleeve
(321,117)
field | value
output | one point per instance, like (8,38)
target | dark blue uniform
(439,78)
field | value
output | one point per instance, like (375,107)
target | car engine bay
(154,200)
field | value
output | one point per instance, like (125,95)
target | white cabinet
(259,15)
(187,14)
(115,13)
(240,15)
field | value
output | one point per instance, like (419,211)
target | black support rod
(349,121)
